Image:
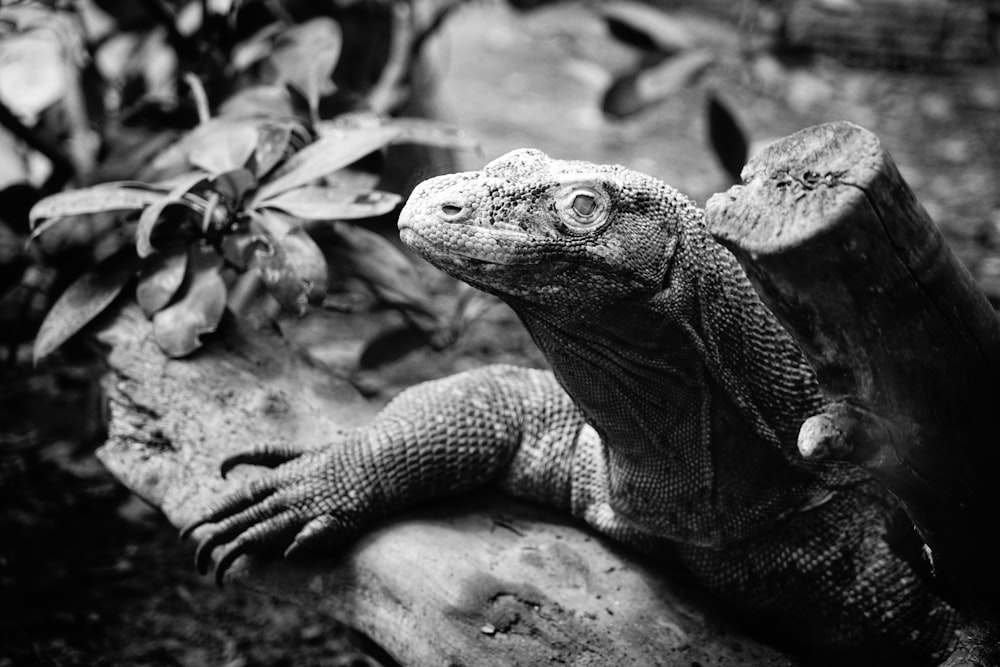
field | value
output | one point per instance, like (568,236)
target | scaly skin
(669,421)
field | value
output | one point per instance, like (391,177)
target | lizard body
(669,420)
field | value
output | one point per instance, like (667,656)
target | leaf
(160,279)
(149,217)
(647,85)
(233,185)
(258,102)
(222,135)
(315,202)
(178,327)
(727,138)
(433,133)
(327,154)
(386,269)
(254,48)
(350,178)
(291,264)
(226,147)
(305,56)
(272,141)
(238,249)
(89,200)
(646,27)
(84,300)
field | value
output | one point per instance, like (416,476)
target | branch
(485,580)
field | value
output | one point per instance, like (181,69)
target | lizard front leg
(434,440)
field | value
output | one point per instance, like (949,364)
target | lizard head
(550,230)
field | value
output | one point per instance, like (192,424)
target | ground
(90,576)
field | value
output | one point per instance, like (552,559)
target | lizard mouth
(467,246)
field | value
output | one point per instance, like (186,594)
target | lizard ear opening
(582,209)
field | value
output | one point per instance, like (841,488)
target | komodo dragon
(669,420)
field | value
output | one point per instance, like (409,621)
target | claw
(312,532)
(232,528)
(268,457)
(275,529)
(238,501)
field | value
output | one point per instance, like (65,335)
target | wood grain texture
(906,348)
(483,580)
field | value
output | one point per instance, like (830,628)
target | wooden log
(905,346)
(483,580)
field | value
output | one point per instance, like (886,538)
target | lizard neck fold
(680,384)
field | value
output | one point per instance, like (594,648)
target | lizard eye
(584,204)
(581,209)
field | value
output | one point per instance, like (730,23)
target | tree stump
(906,348)
(483,580)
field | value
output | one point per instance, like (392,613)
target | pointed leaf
(213,136)
(291,264)
(177,328)
(433,133)
(272,141)
(728,140)
(258,102)
(315,202)
(327,154)
(84,300)
(350,178)
(225,148)
(646,27)
(386,269)
(255,48)
(149,217)
(89,200)
(160,186)
(233,184)
(305,56)
(160,279)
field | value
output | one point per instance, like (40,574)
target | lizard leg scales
(503,424)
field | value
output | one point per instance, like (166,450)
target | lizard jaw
(445,243)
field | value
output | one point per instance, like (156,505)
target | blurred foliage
(781,41)
(196,150)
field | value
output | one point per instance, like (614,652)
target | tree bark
(906,348)
(483,581)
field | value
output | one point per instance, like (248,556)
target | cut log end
(842,253)
(794,185)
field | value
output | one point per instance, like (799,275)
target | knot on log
(851,433)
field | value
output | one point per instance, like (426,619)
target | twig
(200,97)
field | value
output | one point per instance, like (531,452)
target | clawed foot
(267,457)
(286,509)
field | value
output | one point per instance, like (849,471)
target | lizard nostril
(452,211)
